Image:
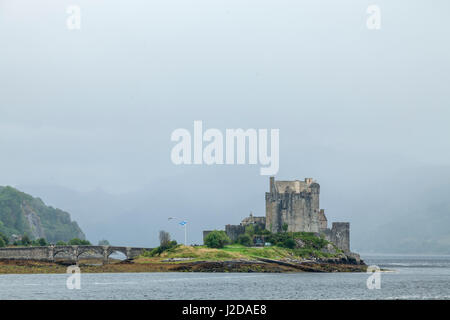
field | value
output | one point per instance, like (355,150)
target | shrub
(26,241)
(61,243)
(289,243)
(245,240)
(2,242)
(287,239)
(158,250)
(311,240)
(250,230)
(79,242)
(41,242)
(264,232)
(4,238)
(172,244)
(217,239)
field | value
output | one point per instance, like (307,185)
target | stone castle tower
(296,204)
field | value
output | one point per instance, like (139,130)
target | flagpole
(184,224)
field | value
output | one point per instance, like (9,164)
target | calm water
(415,277)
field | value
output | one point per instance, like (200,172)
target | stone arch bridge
(68,253)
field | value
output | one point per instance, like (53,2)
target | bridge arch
(123,250)
(64,252)
(89,252)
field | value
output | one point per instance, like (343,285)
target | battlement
(295,186)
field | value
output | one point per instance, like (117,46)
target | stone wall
(256,221)
(323,223)
(339,234)
(234,231)
(26,253)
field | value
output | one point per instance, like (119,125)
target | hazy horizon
(86,115)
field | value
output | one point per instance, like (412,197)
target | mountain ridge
(21,213)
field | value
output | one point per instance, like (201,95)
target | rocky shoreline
(340,264)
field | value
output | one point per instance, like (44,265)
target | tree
(26,241)
(41,242)
(250,230)
(61,243)
(4,238)
(289,243)
(164,239)
(2,243)
(217,239)
(103,242)
(78,242)
(245,240)
(285,227)
(158,250)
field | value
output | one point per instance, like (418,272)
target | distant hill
(409,214)
(20,213)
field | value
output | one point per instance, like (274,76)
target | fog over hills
(87,115)
(405,212)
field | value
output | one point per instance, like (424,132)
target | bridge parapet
(68,252)
(25,253)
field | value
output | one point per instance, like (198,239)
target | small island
(288,252)
(292,237)
(291,252)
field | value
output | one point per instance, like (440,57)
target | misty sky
(93,109)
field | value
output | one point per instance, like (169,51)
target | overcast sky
(94,108)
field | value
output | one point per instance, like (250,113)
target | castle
(295,205)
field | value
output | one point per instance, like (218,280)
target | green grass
(236,251)
(259,252)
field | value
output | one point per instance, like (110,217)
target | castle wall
(234,231)
(339,234)
(323,223)
(256,221)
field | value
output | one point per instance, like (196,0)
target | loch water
(410,277)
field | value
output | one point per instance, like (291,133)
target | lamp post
(182,223)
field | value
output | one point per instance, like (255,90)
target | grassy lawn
(260,252)
(229,252)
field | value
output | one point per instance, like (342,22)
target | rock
(299,243)
(354,257)
(329,248)
(177,259)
